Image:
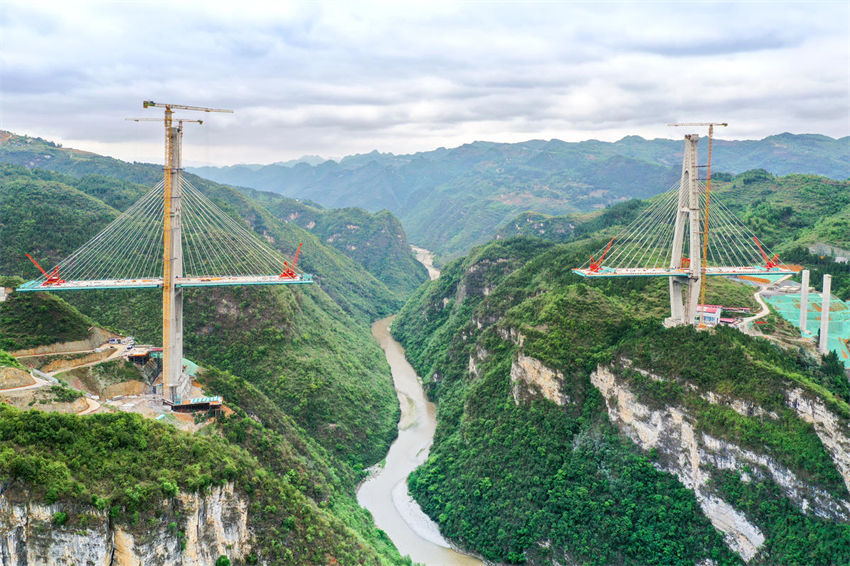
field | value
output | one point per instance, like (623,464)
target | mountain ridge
(449,199)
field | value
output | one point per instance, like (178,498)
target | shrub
(60,518)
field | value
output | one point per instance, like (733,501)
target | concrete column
(695,244)
(172,296)
(176,361)
(804,303)
(824,314)
(683,310)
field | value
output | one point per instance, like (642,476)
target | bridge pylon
(174,387)
(685,289)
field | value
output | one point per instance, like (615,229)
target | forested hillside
(301,496)
(451,199)
(376,241)
(307,348)
(314,400)
(573,427)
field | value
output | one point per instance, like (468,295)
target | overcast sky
(339,78)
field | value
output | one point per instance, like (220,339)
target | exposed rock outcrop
(529,377)
(211,524)
(690,455)
(833,432)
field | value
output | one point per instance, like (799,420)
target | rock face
(211,525)
(529,376)
(691,455)
(834,434)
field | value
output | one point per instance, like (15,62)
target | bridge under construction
(676,237)
(172,238)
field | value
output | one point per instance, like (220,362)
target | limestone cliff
(691,455)
(530,376)
(192,530)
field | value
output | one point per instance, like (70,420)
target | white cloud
(338,78)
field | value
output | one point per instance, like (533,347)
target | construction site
(104,372)
(687,237)
(172,238)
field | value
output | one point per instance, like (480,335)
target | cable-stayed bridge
(686,234)
(216,251)
(172,238)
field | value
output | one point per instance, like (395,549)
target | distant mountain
(451,199)
(308,159)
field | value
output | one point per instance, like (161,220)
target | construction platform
(788,307)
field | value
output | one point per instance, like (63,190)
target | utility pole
(172,296)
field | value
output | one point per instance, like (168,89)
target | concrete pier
(824,314)
(804,303)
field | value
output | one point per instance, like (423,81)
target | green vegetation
(45,216)
(782,210)
(509,472)
(34,319)
(118,458)
(8,360)
(64,394)
(375,241)
(128,464)
(309,348)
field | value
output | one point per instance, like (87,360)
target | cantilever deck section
(156,283)
(661,272)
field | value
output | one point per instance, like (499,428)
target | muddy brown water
(385,493)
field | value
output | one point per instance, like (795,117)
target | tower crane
(172,296)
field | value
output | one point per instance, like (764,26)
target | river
(384,494)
